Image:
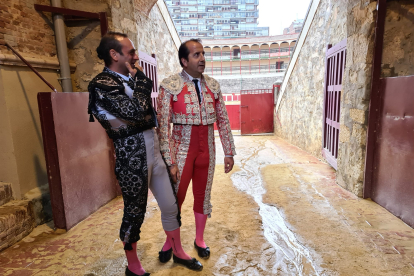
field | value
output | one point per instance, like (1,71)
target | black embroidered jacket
(107,90)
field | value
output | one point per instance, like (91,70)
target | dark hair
(109,41)
(183,51)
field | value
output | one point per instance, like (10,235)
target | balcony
(244,70)
(250,54)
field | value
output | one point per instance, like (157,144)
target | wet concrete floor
(278,213)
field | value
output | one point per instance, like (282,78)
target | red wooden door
(149,64)
(335,64)
(79,158)
(393,173)
(232,102)
(233,112)
(389,174)
(256,111)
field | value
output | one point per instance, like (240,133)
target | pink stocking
(200,221)
(167,244)
(134,265)
(173,237)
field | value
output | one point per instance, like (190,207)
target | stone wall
(151,35)
(356,95)
(301,108)
(25,29)
(300,111)
(148,32)
(398,53)
(235,84)
(83,38)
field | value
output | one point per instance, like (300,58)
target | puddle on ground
(294,258)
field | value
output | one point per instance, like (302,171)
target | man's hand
(138,66)
(175,174)
(131,70)
(228,164)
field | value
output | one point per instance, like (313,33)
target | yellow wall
(8,166)
(22,160)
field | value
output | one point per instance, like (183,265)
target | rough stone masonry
(301,109)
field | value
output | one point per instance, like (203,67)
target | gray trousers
(159,182)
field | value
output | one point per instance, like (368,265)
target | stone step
(5,193)
(16,221)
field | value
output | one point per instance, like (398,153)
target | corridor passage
(278,213)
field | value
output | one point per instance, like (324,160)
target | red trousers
(196,164)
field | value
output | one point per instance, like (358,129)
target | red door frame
(374,103)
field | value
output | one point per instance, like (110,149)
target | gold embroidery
(209,112)
(192,108)
(173,85)
(210,108)
(223,125)
(207,207)
(189,108)
(213,85)
(183,138)
(187,98)
(196,108)
(194,97)
(164,118)
(209,99)
(178,118)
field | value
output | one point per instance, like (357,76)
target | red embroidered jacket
(178,104)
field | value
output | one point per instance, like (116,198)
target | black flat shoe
(165,256)
(192,264)
(202,252)
(130,273)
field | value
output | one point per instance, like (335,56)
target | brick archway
(145,6)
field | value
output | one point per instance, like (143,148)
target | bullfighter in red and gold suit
(193,102)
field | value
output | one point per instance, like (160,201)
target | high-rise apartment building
(216,19)
(294,28)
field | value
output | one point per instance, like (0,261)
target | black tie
(130,83)
(197,89)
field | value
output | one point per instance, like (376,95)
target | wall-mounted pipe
(62,48)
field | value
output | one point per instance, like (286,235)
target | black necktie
(130,83)
(197,89)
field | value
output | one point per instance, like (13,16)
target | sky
(279,14)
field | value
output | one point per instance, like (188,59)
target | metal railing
(256,91)
(250,54)
(244,70)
